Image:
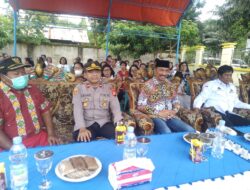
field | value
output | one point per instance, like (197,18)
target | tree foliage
(234,22)
(5,31)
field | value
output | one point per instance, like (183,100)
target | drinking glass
(44,164)
(142,146)
(207,140)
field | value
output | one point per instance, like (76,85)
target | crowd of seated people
(101,94)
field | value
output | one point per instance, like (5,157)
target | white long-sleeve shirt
(223,97)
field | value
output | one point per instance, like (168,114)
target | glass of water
(207,140)
(142,146)
(44,164)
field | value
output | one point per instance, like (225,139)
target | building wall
(56,51)
(70,52)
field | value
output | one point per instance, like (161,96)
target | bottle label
(3,180)
(120,134)
(19,175)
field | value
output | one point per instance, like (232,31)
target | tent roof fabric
(159,12)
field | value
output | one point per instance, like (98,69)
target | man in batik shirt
(158,98)
(23,109)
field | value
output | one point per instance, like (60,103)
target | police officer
(95,108)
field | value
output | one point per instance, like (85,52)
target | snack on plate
(78,167)
(66,167)
(78,163)
(78,174)
(91,163)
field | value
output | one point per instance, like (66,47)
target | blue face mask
(21,82)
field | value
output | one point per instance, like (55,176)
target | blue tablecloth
(169,154)
(241,140)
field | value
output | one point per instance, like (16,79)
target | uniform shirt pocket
(87,102)
(104,100)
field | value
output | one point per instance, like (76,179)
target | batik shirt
(21,113)
(156,96)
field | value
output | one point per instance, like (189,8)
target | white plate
(247,136)
(94,174)
(228,130)
(187,137)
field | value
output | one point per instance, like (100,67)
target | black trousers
(233,120)
(106,131)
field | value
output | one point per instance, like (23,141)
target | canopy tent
(159,12)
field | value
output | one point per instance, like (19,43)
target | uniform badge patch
(85,102)
(104,103)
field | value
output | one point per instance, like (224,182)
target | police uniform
(95,108)
(223,97)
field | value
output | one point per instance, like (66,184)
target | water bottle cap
(130,129)
(17,140)
(222,122)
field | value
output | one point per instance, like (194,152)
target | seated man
(222,95)
(94,107)
(23,109)
(158,98)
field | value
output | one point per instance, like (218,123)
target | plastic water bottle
(219,141)
(130,144)
(18,165)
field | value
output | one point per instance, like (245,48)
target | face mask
(21,82)
(66,68)
(78,72)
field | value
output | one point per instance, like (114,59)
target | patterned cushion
(134,91)
(60,96)
(245,91)
(195,88)
(210,118)
(245,77)
(144,122)
(242,112)
(191,117)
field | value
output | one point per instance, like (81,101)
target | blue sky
(208,8)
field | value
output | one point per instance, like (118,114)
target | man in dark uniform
(95,108)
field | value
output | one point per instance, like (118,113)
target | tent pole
(178,43)
(15,25)
(107,35)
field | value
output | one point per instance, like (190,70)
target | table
(168,152)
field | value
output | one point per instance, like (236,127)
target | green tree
(211,37)
(5,31)
(234,22)
(30,28)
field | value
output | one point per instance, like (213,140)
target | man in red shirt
(23,109)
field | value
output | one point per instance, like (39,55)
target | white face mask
(78,72)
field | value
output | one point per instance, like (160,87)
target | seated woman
(184,89)
(107,73)
(143,70)
(78,71)
(134,74)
